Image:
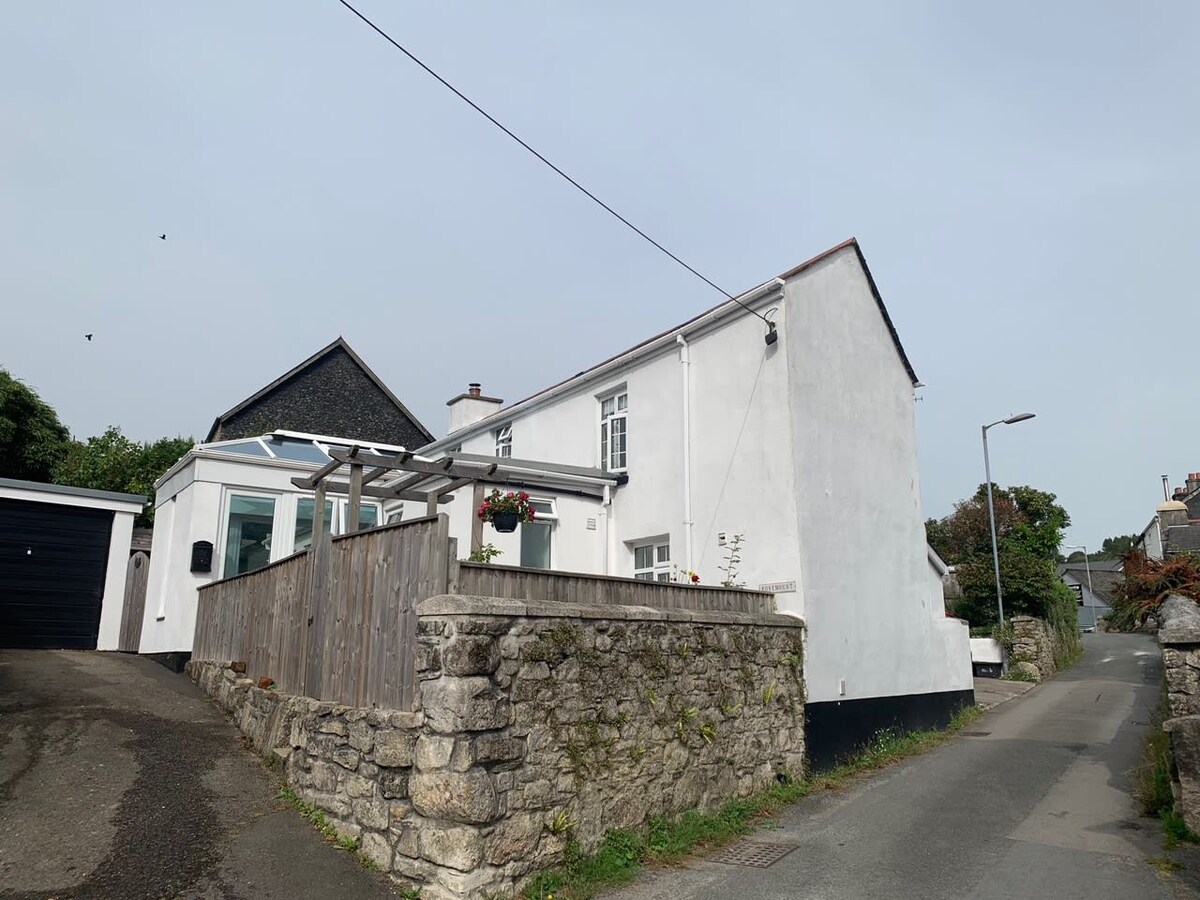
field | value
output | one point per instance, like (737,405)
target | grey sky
(1022,178)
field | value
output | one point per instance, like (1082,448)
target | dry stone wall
(1036,646)
(1179,637)
(539,724)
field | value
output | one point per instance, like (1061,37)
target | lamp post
(1088,566)
(1086,563)
(987,469)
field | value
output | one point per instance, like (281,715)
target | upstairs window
(504,441)
(652,562)
(614,432)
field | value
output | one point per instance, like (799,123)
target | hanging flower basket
(506,522)
(506,511)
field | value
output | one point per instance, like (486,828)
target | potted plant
(506,511)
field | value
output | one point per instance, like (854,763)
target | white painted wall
(112,606)
(987,650)
(876,623)
(740,461)
(807,447)
(113,600)
(1152,540)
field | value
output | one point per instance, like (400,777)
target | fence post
(316,613)
(452,568)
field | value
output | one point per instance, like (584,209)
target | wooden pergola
(435,481)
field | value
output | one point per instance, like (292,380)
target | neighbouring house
(1175,527)
(64,553)
(1093,585)
(332,392)
(226,508)
(778,428)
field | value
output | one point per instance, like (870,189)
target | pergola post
(318,526)
(476,522)
(354,504)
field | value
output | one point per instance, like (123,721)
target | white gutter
(685,366)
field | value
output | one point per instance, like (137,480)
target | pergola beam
(371,490)
(447,468)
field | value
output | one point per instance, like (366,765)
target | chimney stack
(467,409)
(1193,482)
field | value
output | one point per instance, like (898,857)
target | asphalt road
(119,781)
(1033,804)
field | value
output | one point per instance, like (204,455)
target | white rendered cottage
(802,438)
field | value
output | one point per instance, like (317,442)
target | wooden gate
(136,575)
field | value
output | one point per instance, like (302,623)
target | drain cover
(753,853)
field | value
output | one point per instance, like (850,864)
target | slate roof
(331,392)
(1184,538)
(1103,580)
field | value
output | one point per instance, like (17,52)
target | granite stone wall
(1036,647)
(1179,637)
(539,724)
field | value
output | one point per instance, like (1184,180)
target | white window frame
(550,520)
(660,567)
(280,522)
(503,436)
(620,412)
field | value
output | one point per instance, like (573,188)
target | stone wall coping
(1181,723)
(1180,619)
(468,605)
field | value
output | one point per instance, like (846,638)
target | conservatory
(230,507)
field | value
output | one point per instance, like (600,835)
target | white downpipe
(606,514)
(685,365)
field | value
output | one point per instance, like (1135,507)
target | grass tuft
(1164,865)
(624,852)
(317,818)
(1176,830)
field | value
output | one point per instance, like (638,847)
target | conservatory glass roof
(294,446)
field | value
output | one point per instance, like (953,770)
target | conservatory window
(248,533)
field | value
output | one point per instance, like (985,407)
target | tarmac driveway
(119,780)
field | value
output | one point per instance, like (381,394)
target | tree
(113,462)
(1026,518)
(1029,532)
(1116,547)
(32,439)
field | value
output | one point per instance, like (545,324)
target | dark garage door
(52,562)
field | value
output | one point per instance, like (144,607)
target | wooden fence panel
(339,622)
(568,587)
(133,607)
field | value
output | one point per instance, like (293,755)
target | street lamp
(1087,565)
(987,469)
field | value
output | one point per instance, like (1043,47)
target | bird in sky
(88,336)
(162,237)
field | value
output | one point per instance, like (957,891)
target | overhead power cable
(579,187)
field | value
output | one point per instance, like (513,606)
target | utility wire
(579,187)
